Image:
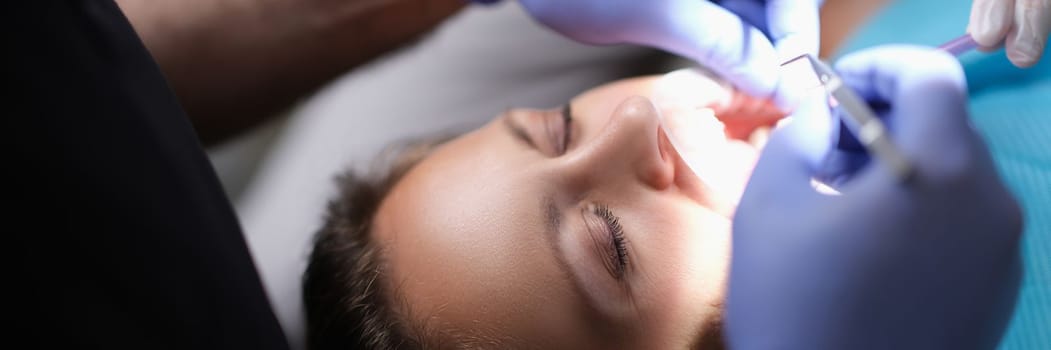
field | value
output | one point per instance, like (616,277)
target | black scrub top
(118,230)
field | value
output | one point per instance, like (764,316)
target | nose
(629,148)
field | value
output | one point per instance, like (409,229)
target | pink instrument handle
(960,45)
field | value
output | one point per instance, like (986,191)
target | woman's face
(579,232)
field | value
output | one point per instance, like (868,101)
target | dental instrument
(861,120)
(960,45)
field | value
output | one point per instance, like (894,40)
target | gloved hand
(1020,25)
(731,37)
(931,263)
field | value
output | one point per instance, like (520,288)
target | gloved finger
(990,21)
(1028,37)
(787,163)
(712,36)
(795,30)
(794,27)
(584,21)
(926,91)
(751,11)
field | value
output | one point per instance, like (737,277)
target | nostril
(635,131)
(663,144)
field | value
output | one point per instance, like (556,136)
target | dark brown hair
(347,302)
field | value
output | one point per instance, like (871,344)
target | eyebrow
(553,221)
(518,131)
(552,226)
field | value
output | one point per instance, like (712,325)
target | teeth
(759,137)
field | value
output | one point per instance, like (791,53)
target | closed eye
(618,251)
(567,127)
(558,127)
(549,132)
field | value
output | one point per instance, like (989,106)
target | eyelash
(567,125)
(619,248)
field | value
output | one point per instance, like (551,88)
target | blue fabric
(1011,108)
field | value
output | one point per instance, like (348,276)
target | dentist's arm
(1022,26)
(235,62)
(932,263)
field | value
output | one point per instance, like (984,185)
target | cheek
(472,257)
(684,261)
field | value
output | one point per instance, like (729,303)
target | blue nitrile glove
(931,263)
(732,37)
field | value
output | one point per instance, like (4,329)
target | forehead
(464,243)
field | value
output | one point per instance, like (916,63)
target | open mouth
(716,131)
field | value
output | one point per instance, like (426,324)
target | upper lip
(683,175)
